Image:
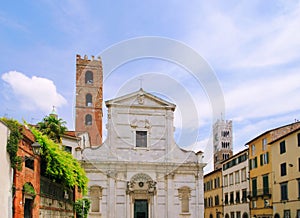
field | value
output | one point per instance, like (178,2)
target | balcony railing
(55,191)
(265,192)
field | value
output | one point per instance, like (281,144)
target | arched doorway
(28,196)
(245,215)
(276,215)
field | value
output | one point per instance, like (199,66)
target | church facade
(139,171)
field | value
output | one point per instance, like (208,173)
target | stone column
(111,195)
(170,196)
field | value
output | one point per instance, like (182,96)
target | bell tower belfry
(89,97)
(222,141)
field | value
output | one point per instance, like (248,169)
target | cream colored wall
(5,174)
(113,165)
(241,207)
(290,157)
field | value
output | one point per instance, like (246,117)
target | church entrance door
(140,209)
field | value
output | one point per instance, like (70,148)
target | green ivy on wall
(13,142)
(27,188)
(60,165)
(82,207)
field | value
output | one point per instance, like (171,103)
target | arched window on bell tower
(88,120)
(88,100)
(89,77)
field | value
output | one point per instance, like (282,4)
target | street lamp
(36,148)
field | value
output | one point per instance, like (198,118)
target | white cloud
(34,93)
(265,96)
(278,41)
(242,37)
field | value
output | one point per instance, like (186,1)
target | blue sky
(252,46)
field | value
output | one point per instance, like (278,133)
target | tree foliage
(60,165)
(53,127)
(13,142)
(82,207)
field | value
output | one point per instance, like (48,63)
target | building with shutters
(286,168)
(261,171)
(213,194)
(236,186)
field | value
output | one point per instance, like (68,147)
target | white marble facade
(139,171)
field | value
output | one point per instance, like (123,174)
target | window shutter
(261,160)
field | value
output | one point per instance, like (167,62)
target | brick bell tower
(89,97)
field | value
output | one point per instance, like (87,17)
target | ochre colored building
(261,171)
(213,193)
(286,168)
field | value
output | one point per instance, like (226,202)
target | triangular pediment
(140,99)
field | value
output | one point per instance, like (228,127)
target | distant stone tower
(222,141)
(89,97)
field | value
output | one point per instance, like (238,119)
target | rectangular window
(253,163)
(217,200)
(231,198)
(264,144)
(254,187)
(238,214)
(210,203)
(299,164)
(252,150)
(282,147)
(226,198)
(231,179)
(283,169)
(68,149)
(298,139)
(231,214)
(237,197)
(29,162)
(244,174)
(244,195)
(266,184)
(141,139)
(253,204)
(205,202)
(225,180)
(298,189)
(284,191)
(286,214)
(264,159)
(217,182)
(237,177)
